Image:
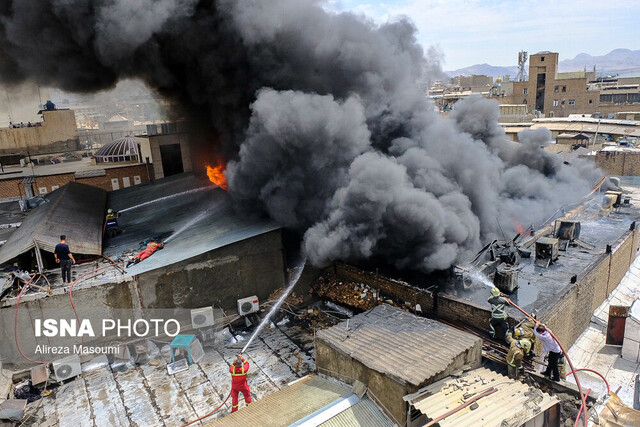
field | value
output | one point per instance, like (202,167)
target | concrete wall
(251,267)
(58,133)
(399,290)
(150,147)
(388,392)
(570,314)
(11,188)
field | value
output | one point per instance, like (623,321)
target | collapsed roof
(75,210)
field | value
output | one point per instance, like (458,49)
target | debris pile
(351,294)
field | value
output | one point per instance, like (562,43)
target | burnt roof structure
(75,210)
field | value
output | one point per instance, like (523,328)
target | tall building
(555,94)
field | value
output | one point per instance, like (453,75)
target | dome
(121,150)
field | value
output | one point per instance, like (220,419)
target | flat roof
(80,167)
(199,213)
(388,339)
(539,288)
(514,403)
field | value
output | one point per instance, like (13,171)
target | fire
(216,175)
(519,227)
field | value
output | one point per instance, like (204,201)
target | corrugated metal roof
(75,210)
(288,405)
(363,413)
(514,403)
(398,344)
(171,204)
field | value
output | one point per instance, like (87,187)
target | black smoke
(324,123)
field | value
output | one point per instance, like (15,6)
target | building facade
(56,133)
(554,94)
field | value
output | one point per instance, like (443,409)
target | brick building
(556,94)
(42,180)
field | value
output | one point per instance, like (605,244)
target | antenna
(522,60)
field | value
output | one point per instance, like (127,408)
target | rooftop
(191,215)
(591,351)
(540,288)
(124,394)
(514,403)
(319,401)
(387,339)
(75,210)
(75,167)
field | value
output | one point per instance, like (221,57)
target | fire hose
(583,398)
(210,413)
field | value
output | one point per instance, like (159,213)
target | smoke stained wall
(324,126)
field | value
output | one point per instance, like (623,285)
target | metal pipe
(464,405)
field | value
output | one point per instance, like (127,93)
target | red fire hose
(210,413)
(592,371)
(583,398)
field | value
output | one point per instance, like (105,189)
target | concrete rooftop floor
(146,395)
(590,350)
(538,287)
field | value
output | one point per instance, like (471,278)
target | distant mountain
(619,61)
(484,69)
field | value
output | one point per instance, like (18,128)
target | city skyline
(476,32)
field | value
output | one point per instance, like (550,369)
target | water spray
(195,190)
(478,276)
(277,305)
(187,225)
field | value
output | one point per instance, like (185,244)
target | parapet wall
(572,312)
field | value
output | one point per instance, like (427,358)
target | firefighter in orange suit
(239,384)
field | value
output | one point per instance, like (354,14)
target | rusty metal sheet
(615,326)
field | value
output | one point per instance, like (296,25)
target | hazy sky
(493,31)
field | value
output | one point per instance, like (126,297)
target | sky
(472,32)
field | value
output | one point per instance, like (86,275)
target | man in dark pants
(498,325)
(555,352)
(65,258)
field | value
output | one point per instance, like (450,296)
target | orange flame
(216,175)
(519,227)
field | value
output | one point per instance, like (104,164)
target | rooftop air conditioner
(248,305)
(202,317)
(67,367)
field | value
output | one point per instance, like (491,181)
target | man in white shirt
(549,344)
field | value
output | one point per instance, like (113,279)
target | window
(572,102)
(42,190)
(542,59)
(562,102)
(619,98)
(564,88)
(556,89)
(555,102)
(606,98)
(591,101)
(54,187)
(525,91)
(634,97)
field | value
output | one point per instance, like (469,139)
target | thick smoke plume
(323,123)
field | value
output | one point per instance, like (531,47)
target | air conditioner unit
(67,367)
(202,317)
(248,305)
